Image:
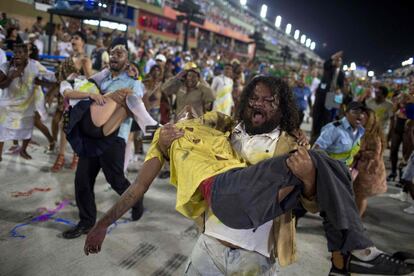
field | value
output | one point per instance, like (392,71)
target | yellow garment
(347,156)
(224,100)
(203,144)
(204,151)
(83,85)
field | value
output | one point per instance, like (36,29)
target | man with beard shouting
(203,158)
(268,114)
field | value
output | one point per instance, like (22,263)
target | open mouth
(258,117)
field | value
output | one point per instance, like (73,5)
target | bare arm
(135,192)
(6,80)
(76,95)
(172,85)
(87,67)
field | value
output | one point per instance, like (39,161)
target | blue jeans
(211,258)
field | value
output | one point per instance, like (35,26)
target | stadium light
(353,66)
(296,35)
(106,24)
(371,74)
(288,28)
(263,11)
(303,39)
(243,2)
(308,42)
(313,45)
(278,21)
(345,68)
(407,62)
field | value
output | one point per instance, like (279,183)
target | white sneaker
(409,210)
(401,196)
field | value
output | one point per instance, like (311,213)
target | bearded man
(268,120)
(110,160)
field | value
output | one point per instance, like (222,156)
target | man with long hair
(267,115)
(207,168)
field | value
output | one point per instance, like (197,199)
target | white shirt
(253,149)
(219,82)
(222,87)
(64,48)
(3,57)
(313,87)
(151,62)
(39,45)
(78,83)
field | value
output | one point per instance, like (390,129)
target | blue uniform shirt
(339,139)
(121,81)
(301,94)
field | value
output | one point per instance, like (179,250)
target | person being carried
(98,130)
(219,179)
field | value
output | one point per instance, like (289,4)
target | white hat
(32,35)
(161,57)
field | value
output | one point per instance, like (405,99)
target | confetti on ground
(116,223)
(30,192)
(47,216)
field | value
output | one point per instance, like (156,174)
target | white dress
(20,100)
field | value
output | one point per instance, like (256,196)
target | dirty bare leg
(114,121)
(100,114)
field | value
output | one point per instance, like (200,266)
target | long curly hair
(289,120)
(373,129)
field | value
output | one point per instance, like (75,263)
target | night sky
(376,34)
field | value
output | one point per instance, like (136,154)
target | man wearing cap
(111,161)
(160,59)
(190,89)
(341,139)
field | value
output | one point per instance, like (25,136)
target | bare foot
(13,148)
(25,155)
(34,143)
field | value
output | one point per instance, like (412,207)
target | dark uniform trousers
(112,164)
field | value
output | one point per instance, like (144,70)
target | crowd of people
(220,127)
